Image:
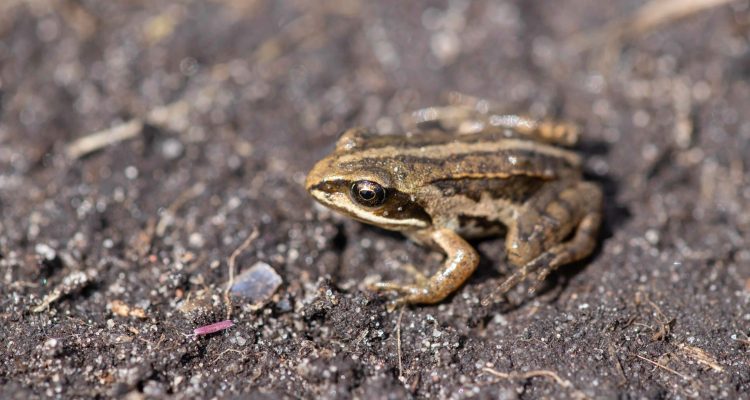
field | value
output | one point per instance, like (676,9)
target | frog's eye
(368,193)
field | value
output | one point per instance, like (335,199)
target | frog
(458,174)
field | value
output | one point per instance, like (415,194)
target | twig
(577,394)
(618,365)
(154,228)
(656,307)
(745,341)
(98,140)
(701,356)
(648,17)
(189,194)
(225,352)
(361,337)
(73,282)
(530,374)
(664,327)
(659,12)
(398,345)
(664,367)
(232,264)
(160,116)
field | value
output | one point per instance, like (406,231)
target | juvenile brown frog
(463,174)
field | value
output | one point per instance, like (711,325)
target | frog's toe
(407,293)
(415,273)
(394,287)
(398,302)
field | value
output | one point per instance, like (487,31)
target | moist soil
(212,112)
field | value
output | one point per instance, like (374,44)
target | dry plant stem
(745,341)
(225,352)
(701,356)
(664,322)
(166,217)
(618,365)
(398,344)
(232,265)
(97,140)
(530,374)
(73,282)
(160,116)
(660,12)
(156,228)
(664,367)
(576,394)
(647,18)
(298,33)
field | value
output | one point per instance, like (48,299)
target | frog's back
(436,157)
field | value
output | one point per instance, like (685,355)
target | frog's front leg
(461,261)
(537,241)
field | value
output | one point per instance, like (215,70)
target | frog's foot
(405,290)
(408,293)
(415,273)
(460,263)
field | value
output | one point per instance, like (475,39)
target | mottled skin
(464,174)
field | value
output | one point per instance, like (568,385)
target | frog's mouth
(335,195)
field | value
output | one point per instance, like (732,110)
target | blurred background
(141,142)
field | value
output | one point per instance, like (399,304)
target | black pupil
(367,194)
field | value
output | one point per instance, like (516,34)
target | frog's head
(361,186)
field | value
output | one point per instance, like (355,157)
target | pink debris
(215,327)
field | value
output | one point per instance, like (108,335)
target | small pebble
(257,284)
(45,251)
(171,149)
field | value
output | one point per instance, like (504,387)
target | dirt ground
(211,113)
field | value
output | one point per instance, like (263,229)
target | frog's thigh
(461,261)
(550,218)
(449,118)
(534,243)
(551,131)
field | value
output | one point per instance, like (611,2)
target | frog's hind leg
(537,242)
(495,116)
(580,246)
(563,133)
(463,119)
(458,118)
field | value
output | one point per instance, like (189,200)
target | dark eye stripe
(397,206)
